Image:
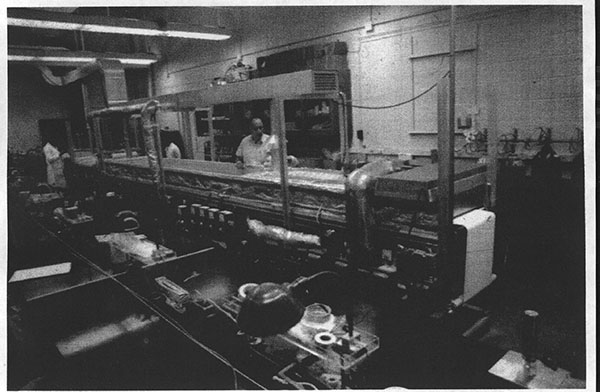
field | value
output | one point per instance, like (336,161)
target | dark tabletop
(416,350)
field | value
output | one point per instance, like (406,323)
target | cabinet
(302,105)
(310,124)
(229,123)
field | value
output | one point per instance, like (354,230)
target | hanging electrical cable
(400,103)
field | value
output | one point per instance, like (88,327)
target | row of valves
(203,217)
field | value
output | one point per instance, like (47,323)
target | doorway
(54,131)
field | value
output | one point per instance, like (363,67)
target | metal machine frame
(300,85)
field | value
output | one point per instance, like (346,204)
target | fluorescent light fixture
(132,61)
(65,57)
(103,24)
(50,59)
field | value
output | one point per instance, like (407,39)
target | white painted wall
(530,57)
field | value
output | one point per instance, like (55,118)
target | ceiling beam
(35,18)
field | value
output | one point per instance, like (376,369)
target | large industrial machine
(384,214)
(331,233)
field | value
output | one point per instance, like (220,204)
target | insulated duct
(151,142)
(70,77)
(104,79)
(283,236)
(360,218)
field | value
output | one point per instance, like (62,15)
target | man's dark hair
(256,118)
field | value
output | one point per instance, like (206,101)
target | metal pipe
(343,113)
(187,133)
(84,97)
(125,124)
(452,76)
(134,127)
(533,141)
(279,115)
(98,138)
(70,143)
(211,134)
(88,127)
(159,147)
(446,101)
(492,164)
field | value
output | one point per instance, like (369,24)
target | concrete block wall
(532,61)
(529,57)
(261,31)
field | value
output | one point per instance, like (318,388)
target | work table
(416,351)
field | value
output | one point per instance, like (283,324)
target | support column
(98,140)
(492,148)
(343,125)
(187,133)
(125,124)
(70,144)
(211,134)
(446,100)
(278,128)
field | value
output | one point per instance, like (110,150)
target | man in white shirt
(172,151)
(258,149)
(255,149)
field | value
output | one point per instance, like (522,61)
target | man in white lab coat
(55,166)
